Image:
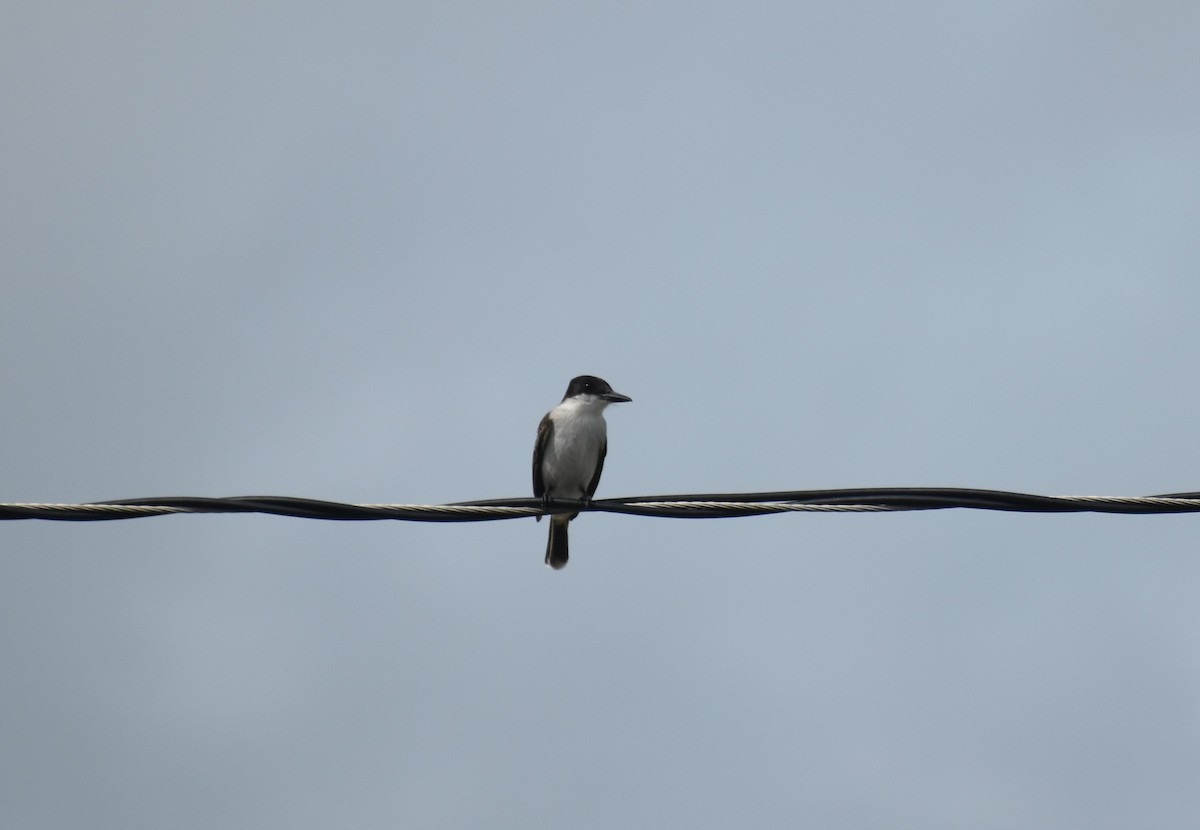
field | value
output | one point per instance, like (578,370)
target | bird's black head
(597,387)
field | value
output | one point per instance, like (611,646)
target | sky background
(355,251)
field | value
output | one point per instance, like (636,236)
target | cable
(695,506)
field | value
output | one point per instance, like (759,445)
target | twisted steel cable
(691,506)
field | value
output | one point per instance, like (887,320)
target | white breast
(574,449)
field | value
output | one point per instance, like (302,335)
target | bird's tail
(556,546)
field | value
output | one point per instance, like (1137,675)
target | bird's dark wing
(591,488)
(545,431)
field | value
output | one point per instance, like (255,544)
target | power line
(693,506)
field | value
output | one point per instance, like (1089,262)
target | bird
(568,457)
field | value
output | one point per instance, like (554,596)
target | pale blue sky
(355,252)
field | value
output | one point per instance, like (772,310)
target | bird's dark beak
(616,397)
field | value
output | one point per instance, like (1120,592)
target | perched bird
(568,457)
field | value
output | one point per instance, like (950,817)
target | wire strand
(692,506)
